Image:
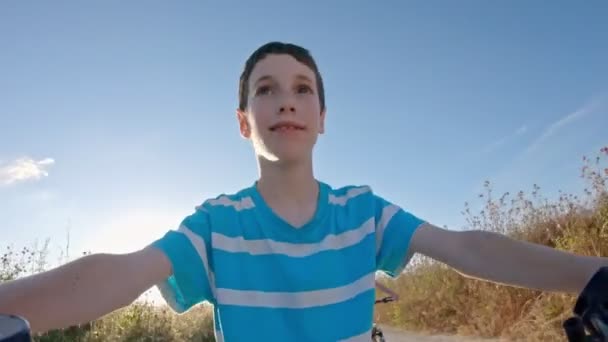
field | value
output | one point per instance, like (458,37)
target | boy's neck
(287,184)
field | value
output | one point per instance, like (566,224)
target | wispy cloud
(558,125)
(24,169)
(500,142)
(521,130)
(532,163)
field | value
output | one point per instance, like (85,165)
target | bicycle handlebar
(589,323)
(590,320)
(14,329)
(385,300)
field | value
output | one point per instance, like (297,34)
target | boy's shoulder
(351,189)
(239,200)
(345,194)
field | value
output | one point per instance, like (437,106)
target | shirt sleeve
(394,230)
(188,249)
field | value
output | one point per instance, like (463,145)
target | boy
(289,258)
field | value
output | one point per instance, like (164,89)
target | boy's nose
(285,109)
(287,104)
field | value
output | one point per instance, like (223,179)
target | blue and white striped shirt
(270,281)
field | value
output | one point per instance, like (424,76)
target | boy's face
(283,116)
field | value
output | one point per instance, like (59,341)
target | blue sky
(117,118)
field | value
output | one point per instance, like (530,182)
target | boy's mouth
(287,126)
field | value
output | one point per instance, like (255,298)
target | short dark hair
(301,54)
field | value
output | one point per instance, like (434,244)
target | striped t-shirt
(270,281)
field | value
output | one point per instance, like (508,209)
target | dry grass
(439,300)
(141,321)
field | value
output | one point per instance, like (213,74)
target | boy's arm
(83,290)
(498,258)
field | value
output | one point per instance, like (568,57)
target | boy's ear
(243,124)
(322,122)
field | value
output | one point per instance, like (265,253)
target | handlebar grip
(590,311)
(14,329)
(575,330)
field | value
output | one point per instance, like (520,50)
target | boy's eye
(303,88)
(263,90)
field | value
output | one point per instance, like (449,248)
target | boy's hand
(83,290)
(498,258)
